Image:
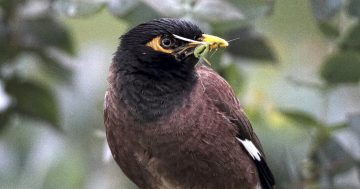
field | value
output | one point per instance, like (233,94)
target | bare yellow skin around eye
(156,45)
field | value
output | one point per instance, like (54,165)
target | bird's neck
(151,93)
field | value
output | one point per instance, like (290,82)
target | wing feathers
(251,149)
(266,177)
(225,100)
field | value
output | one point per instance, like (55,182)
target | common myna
(171,121)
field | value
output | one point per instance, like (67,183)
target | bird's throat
(151,93)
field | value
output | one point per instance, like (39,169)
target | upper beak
(215,42)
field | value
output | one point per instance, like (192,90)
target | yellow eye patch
(156,45)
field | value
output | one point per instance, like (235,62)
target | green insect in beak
(207,44)
(201,51)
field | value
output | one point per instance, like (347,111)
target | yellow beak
(215,41)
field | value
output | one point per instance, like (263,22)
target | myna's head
(169,42)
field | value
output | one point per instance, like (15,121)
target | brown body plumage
(191,140)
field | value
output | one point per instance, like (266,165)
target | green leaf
(252,9)
(355,123)
(67,171)
(169,8)
(233,75)
(329,29)
(337,127)
(342,67)
(122,7)
(33,100)
(301,118)
(9,6)
(335,158)
(54,68)
(77,8)
(8,48)
(325,9)
(4,48)
(4,119)
(137,14)
(213,11)
(354,8)
(45,32)
(327,17)
(352,38)
(249,44)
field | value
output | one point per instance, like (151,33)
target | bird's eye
(166,42)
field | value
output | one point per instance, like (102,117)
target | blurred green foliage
(294,64)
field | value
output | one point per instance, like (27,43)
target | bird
(171,121)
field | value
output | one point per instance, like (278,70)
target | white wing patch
(250,148)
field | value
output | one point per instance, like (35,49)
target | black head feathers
(145,32)
(135,42)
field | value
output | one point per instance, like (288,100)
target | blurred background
(295,67)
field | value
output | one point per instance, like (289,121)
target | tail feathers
(266,177)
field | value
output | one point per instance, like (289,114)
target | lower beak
(215,42)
